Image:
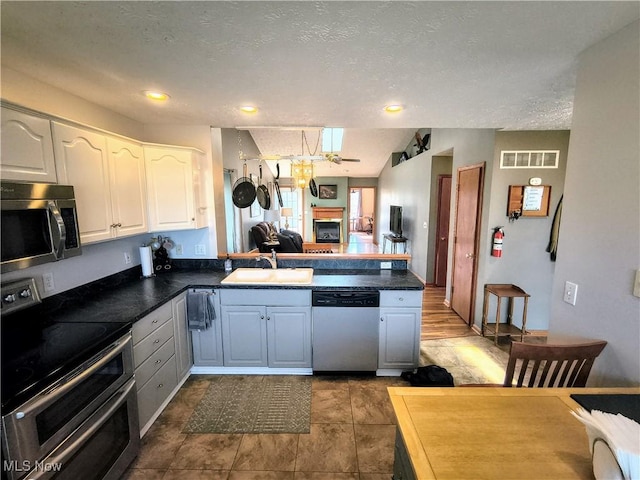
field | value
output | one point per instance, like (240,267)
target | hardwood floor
(438,320)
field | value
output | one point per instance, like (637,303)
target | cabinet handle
(381,319)
(401,299)
(161,385)
(261,317)
(158,361)
(268,318)
(155,321)
(157,340)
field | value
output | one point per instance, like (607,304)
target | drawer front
(166,380)
(144,349)
(156,390)
(156,361)
(401,298)
(151,322)
(269,297)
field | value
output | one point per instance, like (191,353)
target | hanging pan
(262,192)
(244,191)
(313,187)
(278,186)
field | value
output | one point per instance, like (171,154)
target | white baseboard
(195,370)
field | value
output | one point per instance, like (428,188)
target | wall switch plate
(570,292)
(200,249)
(179,250)
(47,282)
(636,285)
(127,258)
(385,265)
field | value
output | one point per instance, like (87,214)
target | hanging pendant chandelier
(302,173)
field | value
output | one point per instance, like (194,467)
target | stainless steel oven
(91,409)
(39,224)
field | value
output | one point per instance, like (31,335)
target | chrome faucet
(273,260)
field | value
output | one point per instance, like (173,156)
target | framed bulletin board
(529,200)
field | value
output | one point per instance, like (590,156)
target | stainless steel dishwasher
(345,331)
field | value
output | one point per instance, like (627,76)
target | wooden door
(466,239)
(442,230)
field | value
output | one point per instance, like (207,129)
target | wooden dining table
(492,433)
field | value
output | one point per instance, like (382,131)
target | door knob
(470,255)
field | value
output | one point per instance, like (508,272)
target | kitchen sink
(260,276)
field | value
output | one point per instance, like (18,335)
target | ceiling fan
(335,158)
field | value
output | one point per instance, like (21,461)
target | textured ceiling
(451,64)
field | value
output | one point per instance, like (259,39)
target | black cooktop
(36,354)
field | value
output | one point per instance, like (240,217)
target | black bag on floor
(429,376)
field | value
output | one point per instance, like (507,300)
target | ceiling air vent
(529,158)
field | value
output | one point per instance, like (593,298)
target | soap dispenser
(228,265)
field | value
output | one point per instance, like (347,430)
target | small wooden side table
(504,290)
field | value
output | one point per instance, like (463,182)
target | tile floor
(352,437)
(352,427)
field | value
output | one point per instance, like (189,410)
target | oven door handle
(58,230)
(61,458)
(73,379)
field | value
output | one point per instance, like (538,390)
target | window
(529,158)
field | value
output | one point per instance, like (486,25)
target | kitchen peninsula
(156,308)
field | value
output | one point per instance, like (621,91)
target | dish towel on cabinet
(200,310)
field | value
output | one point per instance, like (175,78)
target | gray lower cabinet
(162,356)
(153,394)
(402,469)
(244,333)
(181,335)
(289,337)
(268,328)
(207,344)
(399,333)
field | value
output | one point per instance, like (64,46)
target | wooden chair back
(316,248)
(544,365)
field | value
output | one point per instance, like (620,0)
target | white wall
(25,91)
(409,185)
(599,245)
(97,261)
(524,260)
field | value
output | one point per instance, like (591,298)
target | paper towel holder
(146,262)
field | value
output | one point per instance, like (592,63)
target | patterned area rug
(254,404)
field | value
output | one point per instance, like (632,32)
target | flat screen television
(395,220)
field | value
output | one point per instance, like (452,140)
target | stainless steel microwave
(39,224)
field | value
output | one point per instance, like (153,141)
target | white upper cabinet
(128,187)
(108,179)
(174,194)
(82,160)
(27,148)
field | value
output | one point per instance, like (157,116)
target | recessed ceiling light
(157,96)
(395,108)
(249,109)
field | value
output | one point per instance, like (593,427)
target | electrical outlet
(47,281)
(127,258)
(179,250)
(570,292)
(385,265)
(200,249)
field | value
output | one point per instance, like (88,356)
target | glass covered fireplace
(327,231)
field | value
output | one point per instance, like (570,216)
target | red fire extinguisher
(496,248)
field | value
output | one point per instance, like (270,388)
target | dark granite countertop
(131,300)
